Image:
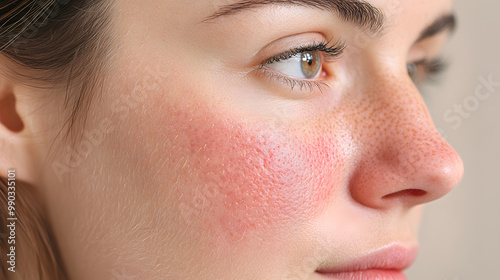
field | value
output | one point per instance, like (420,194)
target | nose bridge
(396,115)
(403,157)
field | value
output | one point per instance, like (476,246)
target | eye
(412,69)
(425,69)
(303,65)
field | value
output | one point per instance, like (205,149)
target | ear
(17,147)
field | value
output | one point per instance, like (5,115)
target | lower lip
(379,274)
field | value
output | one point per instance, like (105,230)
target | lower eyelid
(291,82)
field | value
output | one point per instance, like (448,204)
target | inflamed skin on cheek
(246,176)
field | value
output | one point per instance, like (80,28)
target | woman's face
(255,140)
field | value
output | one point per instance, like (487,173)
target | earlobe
(14,141)
(9,117)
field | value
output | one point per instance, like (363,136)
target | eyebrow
(444,23)
(359,12)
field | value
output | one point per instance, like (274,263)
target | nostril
(405,193)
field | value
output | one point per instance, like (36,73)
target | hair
(35,243)
(50,43)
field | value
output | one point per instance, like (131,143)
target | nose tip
(445,173)
(402,159)
(408,176)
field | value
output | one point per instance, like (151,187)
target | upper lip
(390,257)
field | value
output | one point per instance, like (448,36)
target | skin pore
(198,160)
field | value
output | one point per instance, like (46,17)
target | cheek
(249,178)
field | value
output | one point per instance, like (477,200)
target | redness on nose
(403,155)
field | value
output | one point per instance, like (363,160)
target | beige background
(460,234)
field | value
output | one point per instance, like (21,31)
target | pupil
(308,57)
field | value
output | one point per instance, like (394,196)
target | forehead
(168,18)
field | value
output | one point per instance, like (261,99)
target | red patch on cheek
(247,178)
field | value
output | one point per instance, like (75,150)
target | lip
(385,263)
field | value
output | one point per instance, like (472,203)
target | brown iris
(310,63)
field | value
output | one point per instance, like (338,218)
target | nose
(402,159)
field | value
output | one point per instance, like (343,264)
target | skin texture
(191,165)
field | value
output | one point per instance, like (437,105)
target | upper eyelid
(282,56)
(329,51)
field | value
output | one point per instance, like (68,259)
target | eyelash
(432,67)
(331,51)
